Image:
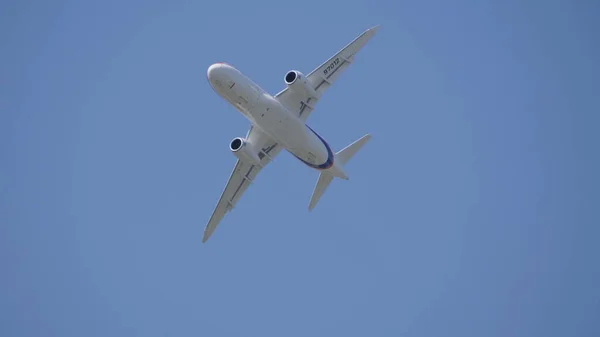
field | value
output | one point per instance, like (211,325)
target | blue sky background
(473,211)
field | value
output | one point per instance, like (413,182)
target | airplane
(279,122)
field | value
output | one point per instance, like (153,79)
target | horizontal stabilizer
(322,184)
(341,158)
(344,155)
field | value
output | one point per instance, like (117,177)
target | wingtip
(375,28)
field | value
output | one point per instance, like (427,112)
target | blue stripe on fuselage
(330,156)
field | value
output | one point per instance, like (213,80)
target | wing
(242,176)
(324,76)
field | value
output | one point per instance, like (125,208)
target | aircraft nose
(212,70)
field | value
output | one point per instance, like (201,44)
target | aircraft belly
(289,131)
(274,121)
(245,96)
(313,150)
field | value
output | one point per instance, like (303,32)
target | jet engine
(243,151)
(296,81)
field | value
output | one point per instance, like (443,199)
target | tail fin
(342,157)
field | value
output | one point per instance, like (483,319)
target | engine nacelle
(243,151)
(296,81)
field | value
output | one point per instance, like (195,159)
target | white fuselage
(270,116)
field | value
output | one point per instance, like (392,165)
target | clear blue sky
(473,211)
